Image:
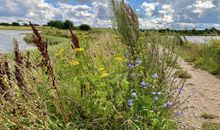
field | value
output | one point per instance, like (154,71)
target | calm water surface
(6,40)
(201,39)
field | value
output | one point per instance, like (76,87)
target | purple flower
(156,98)
(130,66)
(134,94)
(155,76)
(168,104)
(130,102)
(179,113)
(190,95)
(138,62)
(143,84)
(180,90)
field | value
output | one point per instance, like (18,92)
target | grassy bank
(204,56)
(101,80)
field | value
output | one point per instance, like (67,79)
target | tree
(55,23)
(67,25)
(15,24)
(84,27)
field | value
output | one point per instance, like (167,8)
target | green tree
(84,27)
(15,24)
(67,24)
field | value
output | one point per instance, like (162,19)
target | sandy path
(206,97)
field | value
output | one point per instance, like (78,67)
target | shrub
(84,27)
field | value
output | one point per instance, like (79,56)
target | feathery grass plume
(3,87)
(127,25)
(74,40)
(18,66)
(43,48)
(27,60)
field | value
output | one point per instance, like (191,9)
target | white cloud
(200,6)
(149,8)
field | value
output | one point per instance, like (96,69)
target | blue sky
(178,14)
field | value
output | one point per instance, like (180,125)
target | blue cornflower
(180,90)
(134,94)
(156,98)
(179,113)
(138,62)
(130,66)
(168,104)
(130,102)
(155,76)
(143,84)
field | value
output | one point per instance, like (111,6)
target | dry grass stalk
(74,40)
(43,48)
(18,66)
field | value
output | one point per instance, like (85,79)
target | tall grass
(204,56)
(96,84)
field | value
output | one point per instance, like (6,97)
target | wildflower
(104,74)
(156,98)
(101,69)
(138,62)
(130,102)
(134,94)
(119,59)
(79,49)
(168,104)
(155,76)
(179,113)
(180,90)
(74,62)
(143,84)
(130,66)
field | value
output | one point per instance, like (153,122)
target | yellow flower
(104,74)
(119,59)
(79,49)
(74,62)
(60,52)
(101,69)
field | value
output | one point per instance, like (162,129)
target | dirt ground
(205,89)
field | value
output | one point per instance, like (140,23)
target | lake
(201,39)
(6,40)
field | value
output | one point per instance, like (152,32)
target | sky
(175,14)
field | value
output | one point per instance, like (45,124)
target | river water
(7,37)
(200,39)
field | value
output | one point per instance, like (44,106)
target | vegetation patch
(210,126)
(182,74)
(208,116)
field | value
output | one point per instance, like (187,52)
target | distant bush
(67,24)
(15,24)
(84,27)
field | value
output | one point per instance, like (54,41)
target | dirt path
(205,89)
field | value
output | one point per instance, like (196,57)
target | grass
(208,116)
(210,126)
(19,27)
(106,83)
(182,74)
(203,56)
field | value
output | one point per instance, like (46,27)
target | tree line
(67,24)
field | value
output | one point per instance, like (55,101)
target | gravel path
(205,89)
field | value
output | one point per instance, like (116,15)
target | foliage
(182,74)
(101,82)
(67,24)
(84,27)
(204,56)
(210,126)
